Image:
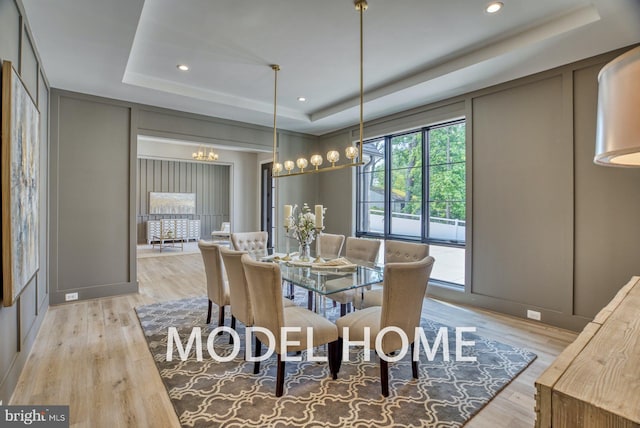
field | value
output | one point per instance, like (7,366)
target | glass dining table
(324,279)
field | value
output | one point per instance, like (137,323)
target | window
(406,175)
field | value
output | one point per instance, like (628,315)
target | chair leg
(291,291)
(343,309)
(384,376)
(209,311)
(333,359)
(414,363)
(221,318)
(280,377)
(233,327)
(310,300)
(257,352)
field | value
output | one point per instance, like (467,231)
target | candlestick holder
(318,259)
(286,243)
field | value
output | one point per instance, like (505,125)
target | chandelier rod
(275,68)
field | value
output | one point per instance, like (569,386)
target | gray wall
(19,324)
(209,182)
(547,229)
(94,151)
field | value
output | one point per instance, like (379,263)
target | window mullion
(425,184)
(387,186)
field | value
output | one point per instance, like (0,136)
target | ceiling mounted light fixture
(183,67)
(618,124)
(353,154)
(494,7)
(202,155)
(302,99)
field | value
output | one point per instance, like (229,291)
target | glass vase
(305,252)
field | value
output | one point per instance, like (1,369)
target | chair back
(264,283)
(405,285)
(250,241)
(330,245)
(213,269)
(238,291)
(362,249)
(402,252)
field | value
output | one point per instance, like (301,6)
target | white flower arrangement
(303,225)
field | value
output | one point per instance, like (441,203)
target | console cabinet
(595,381)
(180,228)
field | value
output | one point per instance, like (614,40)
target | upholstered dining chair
(330,248)
(330,245)
(404,288)
(357,249)
(250,241)
(394,252)
(238,292)
(265,291)
(217,286)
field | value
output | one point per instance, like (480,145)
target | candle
(287,213)
(319,217)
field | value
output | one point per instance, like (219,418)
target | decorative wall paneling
(209,182)
(20,323)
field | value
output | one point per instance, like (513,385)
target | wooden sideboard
(179,228)
(595,381)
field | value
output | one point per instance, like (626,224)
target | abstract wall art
(19,185)
(172,203)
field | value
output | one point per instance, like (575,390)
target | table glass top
(320,277)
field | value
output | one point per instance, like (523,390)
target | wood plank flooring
(93,355)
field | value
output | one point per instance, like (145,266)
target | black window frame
(426,166)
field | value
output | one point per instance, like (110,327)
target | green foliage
(447,188)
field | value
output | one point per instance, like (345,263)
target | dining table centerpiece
(304,224)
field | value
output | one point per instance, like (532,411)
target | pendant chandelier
(352,153)
(202,155)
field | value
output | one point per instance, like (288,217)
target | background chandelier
(353,154)
(202,155)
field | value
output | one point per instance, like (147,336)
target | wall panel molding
(210,183)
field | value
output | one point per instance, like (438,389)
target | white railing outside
(409,225)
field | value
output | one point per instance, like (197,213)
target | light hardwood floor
(93,356)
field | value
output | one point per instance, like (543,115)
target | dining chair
(217,286)
(250,241)
(330,245)
(357,249)
(403,292)
(394,252)
(238,292)
(265,292)
(330,248)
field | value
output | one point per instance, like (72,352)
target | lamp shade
(618,128)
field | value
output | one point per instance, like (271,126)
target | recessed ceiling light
(494,7)
(183,67)
(302,99)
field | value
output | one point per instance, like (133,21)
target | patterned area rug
(215,394)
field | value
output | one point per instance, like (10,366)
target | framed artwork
(172,203)
(20,181)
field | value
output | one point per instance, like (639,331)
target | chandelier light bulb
(351,153)
(277,167)
(302,164)
(316,160)
(289,165)
(333,156)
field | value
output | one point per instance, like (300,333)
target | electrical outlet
(70,296)
(534,315)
